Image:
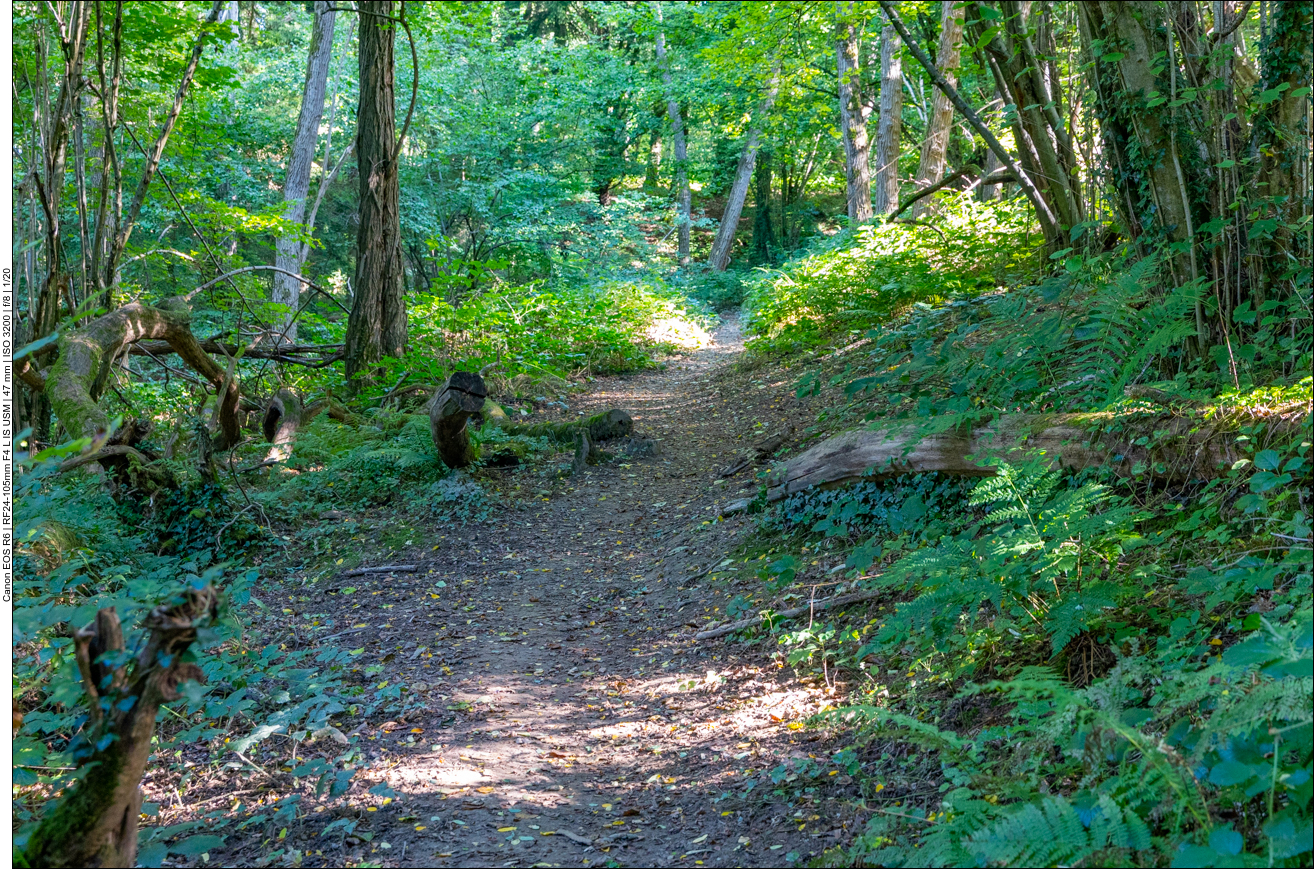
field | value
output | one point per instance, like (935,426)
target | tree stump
(461,397)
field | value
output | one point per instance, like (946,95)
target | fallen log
(461,397)
(95,823)
(464,396)
(856,597)
(604,426)
(1180,449)
(76,378)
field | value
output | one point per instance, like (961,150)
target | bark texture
(940,122)
(461,397)
(885,195)
(287,289)
(95,824)
(377,325)
(853,118)
(734,206)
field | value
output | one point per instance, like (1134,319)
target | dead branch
(387,568)
(74,380)
(95,824)
(856,597)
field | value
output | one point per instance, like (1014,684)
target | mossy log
(461,397)
(464,396)
(605,426)
(95,823)
(78,376)
(1178,449)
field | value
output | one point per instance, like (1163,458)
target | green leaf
(1225,840)
(1267,460)
(194,846)
(1230,772)
(153,854)
(1113,57)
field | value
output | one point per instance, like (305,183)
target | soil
(567,716)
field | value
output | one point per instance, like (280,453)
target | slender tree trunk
(50,185)
(940,122)
(652,175)
(377,324)
(764,235)
(886,194)
(734,206)
(287,289)
(682,196)
(853,119)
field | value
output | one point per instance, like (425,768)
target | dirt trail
(570,719)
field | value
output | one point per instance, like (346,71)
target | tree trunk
(1280,136)
(287,289)
(853,120)
(377,325)
(50,185)
(940,123)
(889,125)
(652,175)
(734,206)
(764,235)
(78,376)
(681,182)
(95,823)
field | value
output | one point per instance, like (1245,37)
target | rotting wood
(284,416)
(817,606)
(95,824)
(461,397)
(1182,448)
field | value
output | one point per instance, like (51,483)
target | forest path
(570,718)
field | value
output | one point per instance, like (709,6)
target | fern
(1054,831)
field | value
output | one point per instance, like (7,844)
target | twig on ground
(843,599)
(387,568)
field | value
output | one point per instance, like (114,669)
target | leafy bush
(861,277)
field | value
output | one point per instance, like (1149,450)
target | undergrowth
(1108,668)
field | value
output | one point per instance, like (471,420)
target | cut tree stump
(1181,449)
(95,823)
(461,397)
(284,416)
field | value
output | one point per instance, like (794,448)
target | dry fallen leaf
(485,790)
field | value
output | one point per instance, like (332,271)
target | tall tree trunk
(50,184)
(652,176)
(287,289)
(377,325)
(889,125)
(940,122)
(683,199)
(764,235)
(734,206)
(1281,136)
(853,118)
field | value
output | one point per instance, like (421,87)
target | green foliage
(879,270)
